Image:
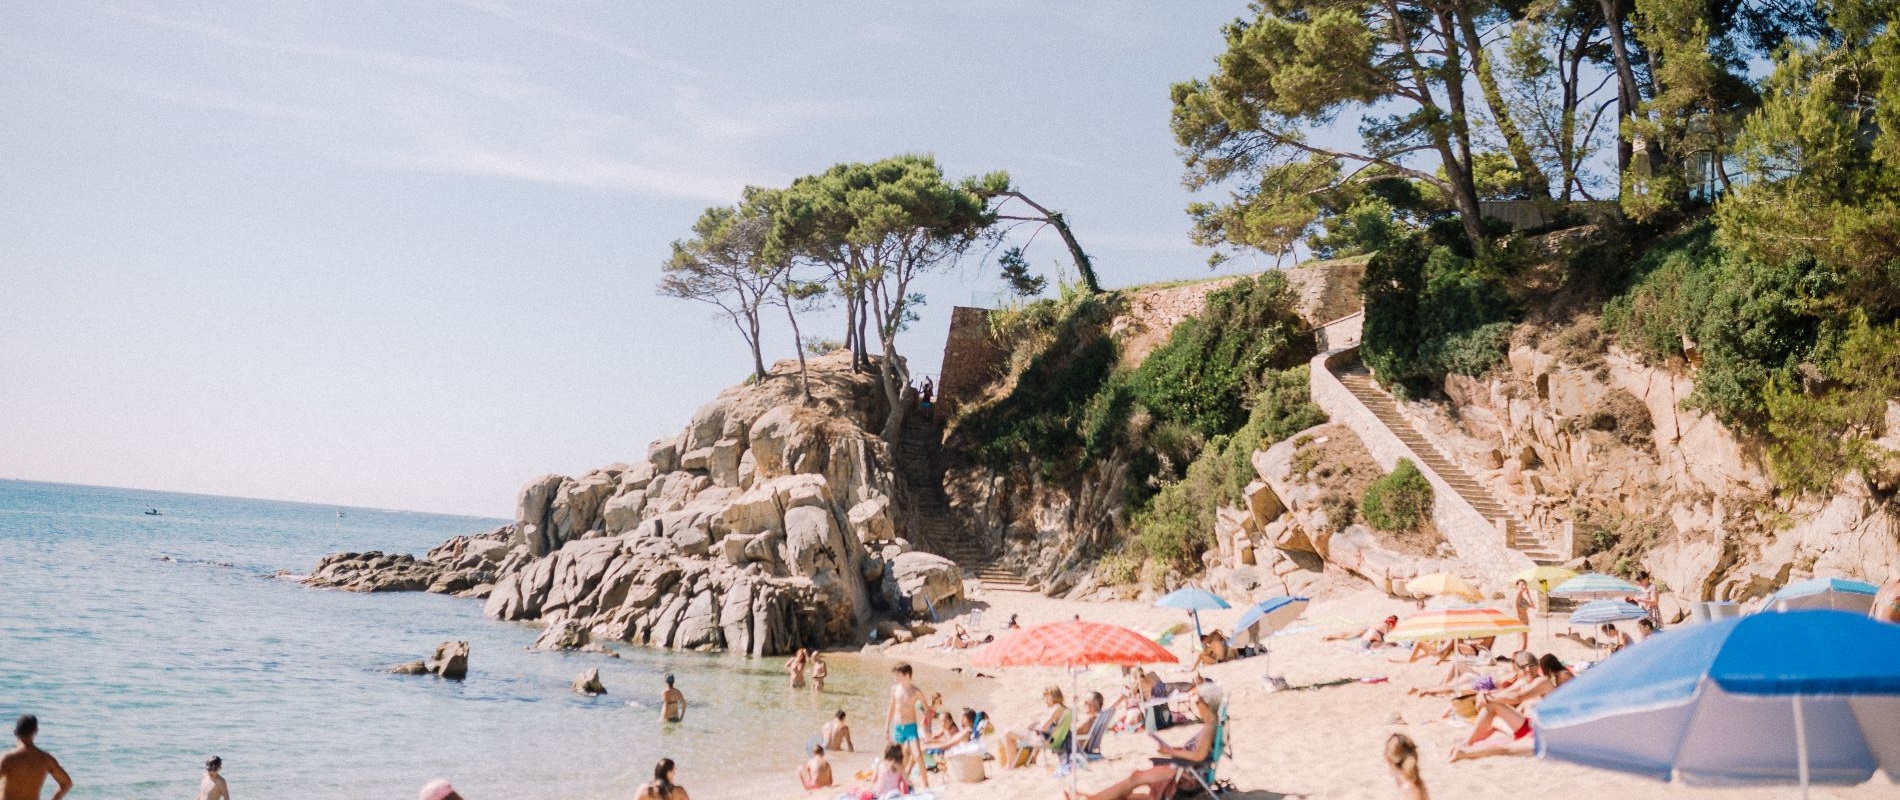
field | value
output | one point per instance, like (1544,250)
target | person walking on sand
(1401,756)
(816,773)
(662,787)
(837,735)
(23,770)
(672,703)
(212,787)
(796,667)
(900,721)
(819,672)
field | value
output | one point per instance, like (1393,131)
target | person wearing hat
(438,789)
(212,787)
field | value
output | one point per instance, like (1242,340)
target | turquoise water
(140,668)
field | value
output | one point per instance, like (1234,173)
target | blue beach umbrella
(1839,594)
(1595,586)
(1770,699)
(1600,611)
(1194,600)
(1265,617)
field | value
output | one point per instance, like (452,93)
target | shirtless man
(212,787)
(672,703)
(816,773)
(23,769)
(900,721)
(837,735)
(1887,601)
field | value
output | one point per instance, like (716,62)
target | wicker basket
(966,768)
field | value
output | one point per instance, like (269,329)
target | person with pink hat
(439,789)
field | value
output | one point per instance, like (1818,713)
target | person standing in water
(796,667)
(24,769)
(672,703)
(662,787)
(213,787)
(819,672)
(900,722)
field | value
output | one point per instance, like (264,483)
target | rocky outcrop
(449,661)
(765,526)
(588,683)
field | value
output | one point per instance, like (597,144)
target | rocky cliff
(770,523)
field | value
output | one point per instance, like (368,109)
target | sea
(148,643)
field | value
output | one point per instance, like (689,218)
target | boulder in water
(450,660)
(588,683)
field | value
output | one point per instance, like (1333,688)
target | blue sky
(403,255)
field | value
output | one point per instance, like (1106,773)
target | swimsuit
(1522,731)
(904,733)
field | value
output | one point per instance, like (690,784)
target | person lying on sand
(1370,637)
(1463,678)
(815,773)
(1153,781)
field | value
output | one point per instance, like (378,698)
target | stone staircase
(1519,536)
(920,464)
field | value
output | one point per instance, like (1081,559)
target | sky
(403,255)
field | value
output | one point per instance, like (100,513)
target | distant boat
(339,513)
(152,512)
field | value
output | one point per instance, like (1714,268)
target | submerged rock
(588,683)
(450,661)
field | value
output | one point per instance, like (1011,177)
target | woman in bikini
(796,667)
(1523,602)
(662,787)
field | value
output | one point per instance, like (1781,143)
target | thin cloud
(552,28)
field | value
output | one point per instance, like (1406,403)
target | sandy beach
(1322,742)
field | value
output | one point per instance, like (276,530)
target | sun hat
(436,790)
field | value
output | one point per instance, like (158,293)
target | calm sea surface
(140,667)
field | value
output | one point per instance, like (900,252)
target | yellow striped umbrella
(1441,583)
(1456,623)
(1543,576)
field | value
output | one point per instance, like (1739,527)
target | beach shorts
(904,733)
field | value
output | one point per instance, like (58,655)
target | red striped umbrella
(1456,623)
(1073,643)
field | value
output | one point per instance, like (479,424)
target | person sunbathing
(1370,637)
(1153,781)
(1214,649)
(1464,678)
(1036,736)
(1506,711)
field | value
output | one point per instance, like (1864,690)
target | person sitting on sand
(662,787)
(672,703)
(889,780)
(796,667)
(438,789)
(1507,711)
(212,787)
(1401,756)
(24,769)
(1153,781)
(1214,649)
(819,672)
(1041,735)
(1370,637)
(952,734)
(1645,628)
(837,735)
(816,773)
(960,637)
(1614,639)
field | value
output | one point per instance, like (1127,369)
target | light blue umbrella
(1769,699)
(1596,586)
(1601,611)
(1264,618)
(1194,600)
(1839,594)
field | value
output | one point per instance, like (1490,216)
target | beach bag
(965,767)
(1465,706)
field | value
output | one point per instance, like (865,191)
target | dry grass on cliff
(1339,464)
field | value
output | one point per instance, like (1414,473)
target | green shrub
(1203,375)
(1428,302)
(1399,501)
(1474,352)
(1120,568)
(1052,415)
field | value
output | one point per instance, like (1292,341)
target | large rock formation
(761,528)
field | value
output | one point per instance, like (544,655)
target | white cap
(436,790)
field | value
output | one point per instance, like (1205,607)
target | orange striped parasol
(1072,643)
(1456,623)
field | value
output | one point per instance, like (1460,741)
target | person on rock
(672,703)
(24,769)
(901,720)
(213,787)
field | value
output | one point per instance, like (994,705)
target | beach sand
(1324,742)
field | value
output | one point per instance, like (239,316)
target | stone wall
(972,359)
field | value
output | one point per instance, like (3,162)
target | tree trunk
(1627,97)
(758,359)
(1535,182)
(1083,265)
(798,339)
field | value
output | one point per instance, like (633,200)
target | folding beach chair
(1058,741)
(1203,772)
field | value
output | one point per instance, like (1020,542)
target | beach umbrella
(1456,623)
(1070,645)
(1839,594)
(1194,600)
(1443,583)
(1543,576)
(1596,586)
(1598,612)
(1265,617)
(1802,697)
